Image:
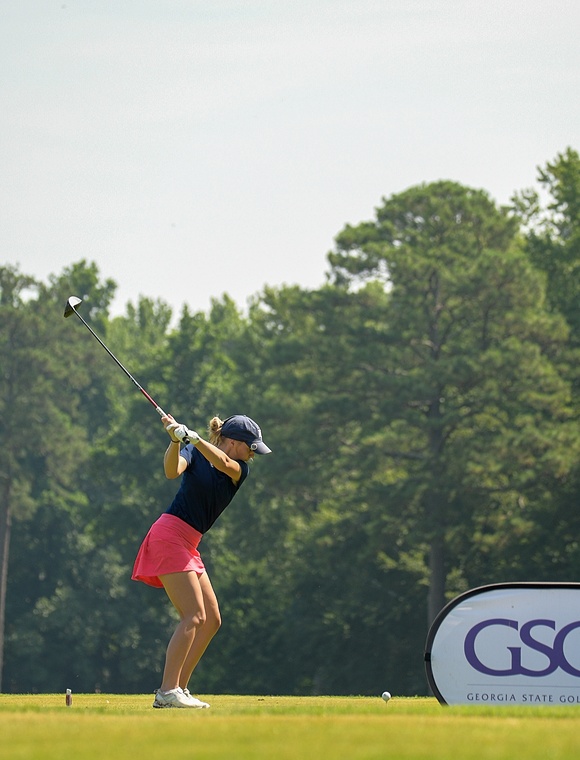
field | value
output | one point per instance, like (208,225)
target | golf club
(70,308)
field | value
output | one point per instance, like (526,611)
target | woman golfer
(213,471)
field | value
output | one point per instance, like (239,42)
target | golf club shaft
(158,409)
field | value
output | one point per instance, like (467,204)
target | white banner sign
(507,644)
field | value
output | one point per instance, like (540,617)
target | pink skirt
(170,546)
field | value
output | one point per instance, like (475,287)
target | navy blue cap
(242,428)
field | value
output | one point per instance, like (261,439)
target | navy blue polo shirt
(204,492)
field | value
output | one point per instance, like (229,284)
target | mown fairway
(125,727)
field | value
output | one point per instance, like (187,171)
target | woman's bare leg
(203,634)
(185,592)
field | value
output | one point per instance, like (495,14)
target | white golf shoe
(177,698)
(196,702)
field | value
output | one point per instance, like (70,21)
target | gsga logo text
(528,632)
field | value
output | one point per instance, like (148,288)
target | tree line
(422,407)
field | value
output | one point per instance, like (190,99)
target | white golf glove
(183,434)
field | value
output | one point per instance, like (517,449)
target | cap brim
(261,448)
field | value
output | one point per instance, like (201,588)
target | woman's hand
(170,426)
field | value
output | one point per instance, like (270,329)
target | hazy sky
(196,147)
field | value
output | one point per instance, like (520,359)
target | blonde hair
(215,430)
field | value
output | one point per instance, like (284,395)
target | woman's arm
(220,460)
(173,464)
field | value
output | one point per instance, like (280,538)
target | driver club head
(71,305)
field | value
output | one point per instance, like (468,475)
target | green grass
(125,727)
